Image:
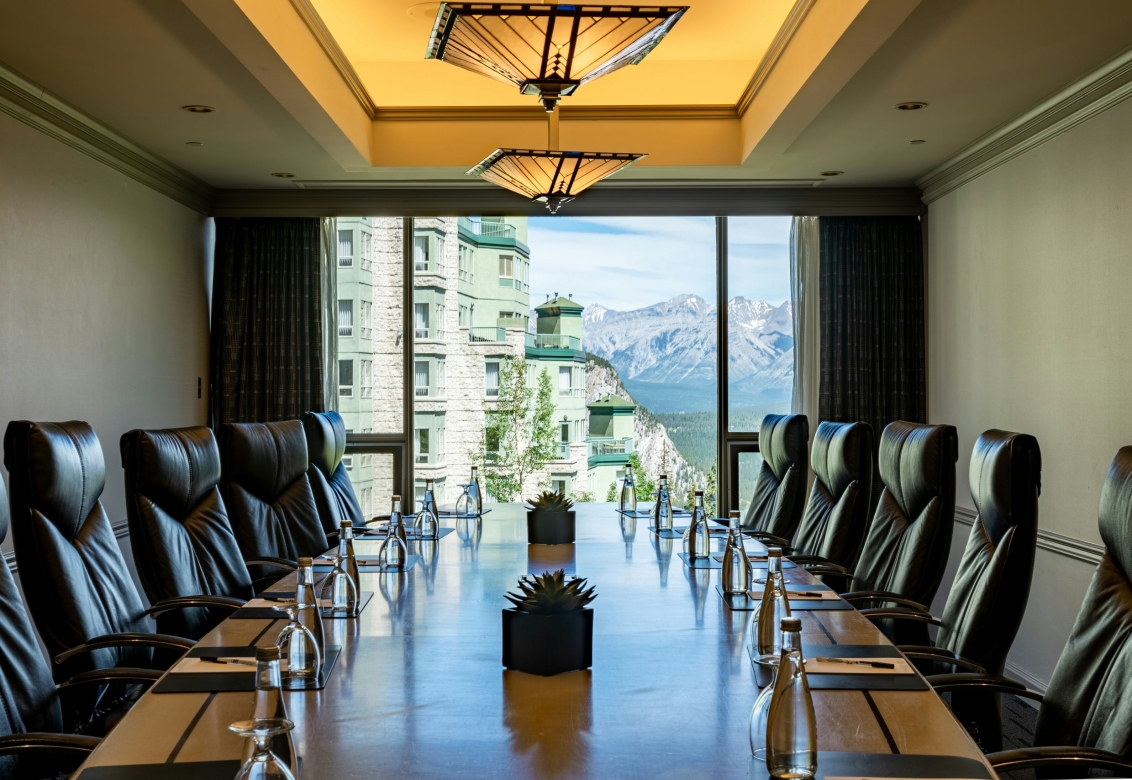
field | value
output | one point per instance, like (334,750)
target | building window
(558,485)
(491,378)
(345,248)
(420,253)
(348,462)
(439,256)
(565,375)
(440,318)
(420,445)
(420,378)
(346,378)
(506,270)
(365,312)
(345,318)
(420,313)
(462,313)
(367,382)
(565,429)
(367,248)
(439,445)
(441,377)
(465,265)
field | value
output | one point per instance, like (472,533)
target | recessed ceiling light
(193,143)
(198,109)
(283,175)
(832,173)
(918,141)
(911,105)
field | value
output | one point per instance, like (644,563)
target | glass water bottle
(792,734)
(736,574)
(697,538)
(269,704)
(628,492)
(428,519)
(775,607)
(662,515)
(340,591)
(475,495)
(302,641)
(394,550)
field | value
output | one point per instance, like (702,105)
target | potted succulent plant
(549,630)
(550,519)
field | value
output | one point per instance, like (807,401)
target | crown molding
(1092,94)
(537,113)
(36,107)
(1067,546)
(785,34)
(337,57)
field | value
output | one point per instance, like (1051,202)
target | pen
(854,662)
(240,661)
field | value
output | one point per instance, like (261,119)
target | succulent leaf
(548,500)
(549,594)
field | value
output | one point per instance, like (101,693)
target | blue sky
(630,262)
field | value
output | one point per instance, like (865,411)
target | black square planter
(550,527)
(548,644)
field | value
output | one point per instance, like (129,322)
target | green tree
(710,490)
(645,486)
(611,494)
(518,437)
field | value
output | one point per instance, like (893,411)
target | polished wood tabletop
(419,690)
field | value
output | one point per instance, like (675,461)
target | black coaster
(187,770)
(857,682)
(741,602)
(224,682)
(364,602)
(762,564)
(257,613)
(885,765)
(669,534)
(452,513)
(380,534)
(700,563)
(410,562)
(714,532)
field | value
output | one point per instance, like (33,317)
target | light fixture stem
(552,130)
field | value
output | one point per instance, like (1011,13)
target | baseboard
(1016,672)
(1076,549)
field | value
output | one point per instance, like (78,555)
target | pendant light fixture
(547,50)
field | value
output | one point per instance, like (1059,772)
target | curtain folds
(328,259)
(872,321)
(805,297)
(268,347)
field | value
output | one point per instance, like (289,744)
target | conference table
(419,691)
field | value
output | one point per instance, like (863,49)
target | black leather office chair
(184,549)
(268,493)
(837,513)
(1085,719)
(780,489)
(33,722)
(909,539)
(333,493)
(988,597)
(78,589)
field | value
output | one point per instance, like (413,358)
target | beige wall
(103,307)
(1029,297)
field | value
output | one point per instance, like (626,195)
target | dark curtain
(266,354)
(872,322)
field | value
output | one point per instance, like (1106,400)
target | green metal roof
(611,402)
(560,305)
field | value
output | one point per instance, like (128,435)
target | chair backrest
(1087,702)
(333,493)
(909,538)
(182,541)
(267,491)
(837,514)
(30,702)
(72,571)
(988,597)
(780,488)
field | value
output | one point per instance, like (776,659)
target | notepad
(900,666)
(198,666)
(812,595)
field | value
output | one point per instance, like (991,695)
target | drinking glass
(263,765)
(298,645)
(760,714)
(462,502)
(339,591)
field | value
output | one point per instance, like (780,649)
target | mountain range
(666,353)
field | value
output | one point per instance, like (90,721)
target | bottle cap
(396,498)
(699,492)
(664,476)
(306,562)
(267,653)
(791,623)
(427,482)
(733,513)
(346,524)
(774,552)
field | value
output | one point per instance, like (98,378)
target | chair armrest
(992,683)
(763,536)
(929,653)
(127,640)
(799,559)
(184,602)
(901,614)
(1078,760)
(116,674)
(35,741)
(279,563)
(888,597)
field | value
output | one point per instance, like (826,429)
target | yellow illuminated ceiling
(709,57)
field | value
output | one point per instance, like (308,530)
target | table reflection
(549,719)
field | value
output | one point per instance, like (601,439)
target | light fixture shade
(550,177)
(547,50)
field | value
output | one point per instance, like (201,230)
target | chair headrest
(1116,510)
(64,470)
(173,468)
(783,440)
(917,463)
(4,516)
(841,453)
(1004,467)
(326,440)
(265,458)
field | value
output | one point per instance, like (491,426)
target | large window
(345,248)
(345,318)
(491,378)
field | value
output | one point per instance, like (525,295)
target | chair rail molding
(1092,94)
(36,107)
(1077,549)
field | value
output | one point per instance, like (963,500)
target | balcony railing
(489,229)
(487,335)
(562,452)
(553,341)
(610,446)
